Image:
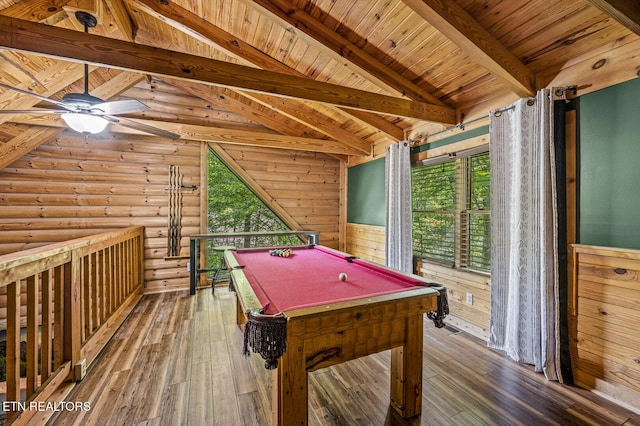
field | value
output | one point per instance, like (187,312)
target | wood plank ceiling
(339,77)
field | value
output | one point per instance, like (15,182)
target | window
(233,207)
(451,213)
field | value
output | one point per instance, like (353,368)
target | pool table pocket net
(266,335)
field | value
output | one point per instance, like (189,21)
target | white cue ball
(342,276)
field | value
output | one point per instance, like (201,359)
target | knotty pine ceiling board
(166,103)
(259,29)
(335,70)
(162,35)
(7,3)
(576,43)
(381,31)
(31,65)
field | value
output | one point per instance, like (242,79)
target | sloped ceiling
(339,77)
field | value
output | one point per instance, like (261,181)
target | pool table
(300,316)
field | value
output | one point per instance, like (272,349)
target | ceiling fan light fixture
(85,123)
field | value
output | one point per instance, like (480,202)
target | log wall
(75,187)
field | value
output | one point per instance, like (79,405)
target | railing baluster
(58,306)
(13,342)
(118,279)
(102,277)
(84,296)
(46,339)
(95,271)
(32,335)
(72,328)
(109,277)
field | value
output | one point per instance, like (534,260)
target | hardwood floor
(176,361)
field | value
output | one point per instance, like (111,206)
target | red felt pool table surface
(310,277)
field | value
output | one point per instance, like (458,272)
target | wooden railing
(65,300)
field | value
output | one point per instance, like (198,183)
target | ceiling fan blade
(35,95)
(125,106)
(142,127)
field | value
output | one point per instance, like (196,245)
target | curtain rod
(462,125)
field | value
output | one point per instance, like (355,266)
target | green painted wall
(609,176)
(366,194)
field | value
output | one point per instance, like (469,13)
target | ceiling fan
(88,114)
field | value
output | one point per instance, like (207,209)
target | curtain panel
(524,234)
(399,244)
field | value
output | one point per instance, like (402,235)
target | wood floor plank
(200,396)
(179,369)
(224,401)
(177,361)
(134,394)
(174,408)
(199,341)
(107,405)
(149,395)
(136,337)
(251,409)
(244,378)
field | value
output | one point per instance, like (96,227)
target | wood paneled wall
(473,318)
(604,313)
(75,186)
(367,242)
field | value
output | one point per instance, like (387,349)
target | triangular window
(234,207)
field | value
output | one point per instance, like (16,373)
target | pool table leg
(406,370)
(290,391)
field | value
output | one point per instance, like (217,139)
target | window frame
(463,211)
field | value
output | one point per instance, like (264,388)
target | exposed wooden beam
(366,64)
(624,11)
(123,19)
(202,30)
(61,43)
(380,124)
(253,138)
(117,85)
(456,24)
(14,70)
(305,113)
(208,134)
(234,102)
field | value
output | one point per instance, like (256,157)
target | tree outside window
(233,207)
(451,213)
